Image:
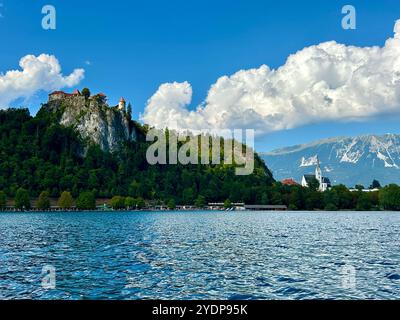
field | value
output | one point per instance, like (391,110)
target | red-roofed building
(289,182)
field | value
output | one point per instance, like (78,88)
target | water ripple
(200,255)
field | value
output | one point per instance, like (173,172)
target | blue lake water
(201,255)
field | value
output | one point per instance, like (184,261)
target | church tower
(318,172)
(122,104)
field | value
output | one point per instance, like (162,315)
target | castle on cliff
(61,95)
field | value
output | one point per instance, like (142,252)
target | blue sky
(135,46)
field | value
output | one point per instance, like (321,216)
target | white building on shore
(324,182)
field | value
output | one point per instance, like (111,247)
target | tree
(140,203)
(171,204)
(331,200)
(200,202)
(44,201)
(227,204)
(359,187)
(296,198)
(330,207)
(65,201)
(117,202)
(375,185)
(364,202)
(129,111)
(188,196)
(22,199)
(3,200)
(344,197)
(130,203)
(313,184)
(314,200)
(86,93)
(44,155)
(389,197)
(86,201)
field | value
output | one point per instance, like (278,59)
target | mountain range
(345,160)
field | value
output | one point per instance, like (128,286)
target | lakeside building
(324,182)
(221,206)
(290,182)
(363,190)
(259,207)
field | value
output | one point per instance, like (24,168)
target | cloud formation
(325,82)
(37,73)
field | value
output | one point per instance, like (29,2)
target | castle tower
(122,104)
(318,172)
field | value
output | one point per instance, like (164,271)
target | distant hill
(345,160)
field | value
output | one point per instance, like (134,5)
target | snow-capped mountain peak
(346,160)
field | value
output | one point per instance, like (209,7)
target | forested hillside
(38,154)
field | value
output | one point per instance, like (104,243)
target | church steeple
(318,172)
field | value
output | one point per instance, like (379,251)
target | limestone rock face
(95,121)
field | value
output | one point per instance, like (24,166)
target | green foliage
(22,199)
(171,204)
(200,202)
(364,202)
(86,93)
(313,184)
(130,203)
(344,197)
(86,201)
(37,153)
(227,204)
(140,203)
(65,201)
(117,202)
(129,111)
(44,201)
(375,185)
(330,207)
(188,196)
(389,197)
(314,200)
(3,200)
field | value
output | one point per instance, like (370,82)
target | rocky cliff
(93,118)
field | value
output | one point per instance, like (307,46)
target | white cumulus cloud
(37,73)
(324,82)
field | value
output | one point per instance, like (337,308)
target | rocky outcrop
(96,122)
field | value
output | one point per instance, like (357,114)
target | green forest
(41,159)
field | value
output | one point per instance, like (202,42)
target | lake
(201,255)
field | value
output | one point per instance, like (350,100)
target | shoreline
(181,210)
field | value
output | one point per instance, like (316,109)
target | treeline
(337,198)
(41,159)
(294,197)
(39,155)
